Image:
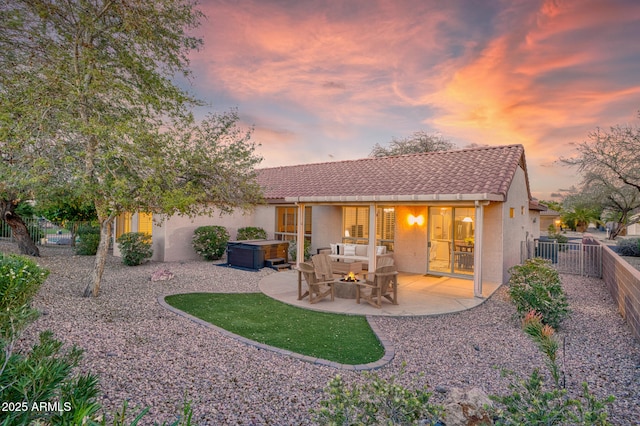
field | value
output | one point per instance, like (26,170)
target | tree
(65,209)
(416,143)
(87,86)
(610,164)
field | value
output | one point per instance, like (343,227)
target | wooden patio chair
(318,289)
(322,265)
(384,284)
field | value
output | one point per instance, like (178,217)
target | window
(145,223)
(287,223)
(386,227)
(123,224)
(355,223)
(512,212)
(355,226)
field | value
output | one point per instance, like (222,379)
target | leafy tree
(610,164)
(88,96)
(66,210)
(418,142)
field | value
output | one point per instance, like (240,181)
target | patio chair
(318,289)
(383,285)
(322,265)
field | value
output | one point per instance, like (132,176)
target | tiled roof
(475,173)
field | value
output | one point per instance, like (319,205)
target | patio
(418,295)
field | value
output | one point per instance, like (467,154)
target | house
(460,213)
(550,217)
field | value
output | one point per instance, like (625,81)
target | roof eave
(395,198)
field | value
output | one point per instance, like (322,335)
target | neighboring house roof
(550,212)
(468,174)
(536,205)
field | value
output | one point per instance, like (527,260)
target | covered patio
(418,295)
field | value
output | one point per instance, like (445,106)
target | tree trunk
(93,287)
(18,228)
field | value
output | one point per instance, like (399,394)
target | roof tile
(468,171)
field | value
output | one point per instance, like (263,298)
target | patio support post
(371,250)
(477,252)
(300,236)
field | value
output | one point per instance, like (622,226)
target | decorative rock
(441,389)
(162,275)
(466,407)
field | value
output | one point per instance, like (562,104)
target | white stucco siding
(492,243)
(410,248)
(172,238)
(326,227)
(517,223)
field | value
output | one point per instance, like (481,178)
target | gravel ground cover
(151,357)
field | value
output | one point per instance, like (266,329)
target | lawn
(345,339)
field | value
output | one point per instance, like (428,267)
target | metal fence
(568,258)
(42,232)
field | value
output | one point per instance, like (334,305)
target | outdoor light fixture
(467,219)
(415,220)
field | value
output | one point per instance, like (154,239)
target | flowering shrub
(535,285)
(210,242)
(251,233)
(135,247)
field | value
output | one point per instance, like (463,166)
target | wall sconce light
(467,219)
(346,233)
(415,220)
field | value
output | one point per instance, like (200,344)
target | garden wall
(623,282)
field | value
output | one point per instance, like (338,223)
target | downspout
(300,236)
(477,252)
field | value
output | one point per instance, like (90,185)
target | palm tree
(580,217)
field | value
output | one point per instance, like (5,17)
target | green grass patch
(340,338)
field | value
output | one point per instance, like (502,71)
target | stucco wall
(326,227)
(172,238)
(410,248)
(492,243)
(516,228)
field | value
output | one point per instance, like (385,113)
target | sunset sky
(324,80)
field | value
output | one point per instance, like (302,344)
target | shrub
(20,279)
(377,401)
(536,286)
(251,233)
(210,242)
(135,247)
(293,250)
(89,238)
(629,247)
(531,403)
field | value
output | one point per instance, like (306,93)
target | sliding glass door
(451,240)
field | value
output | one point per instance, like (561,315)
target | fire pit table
(345,289)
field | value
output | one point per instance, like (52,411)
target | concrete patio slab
(418,295)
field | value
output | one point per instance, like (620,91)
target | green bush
(293,250)
(629,247)
(376,402)
(210,242)
(536,286)
(135,248)
(251,233)
(20,279)
(44,373)
(531,403)
(89,239)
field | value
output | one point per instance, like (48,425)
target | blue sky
(327,80)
